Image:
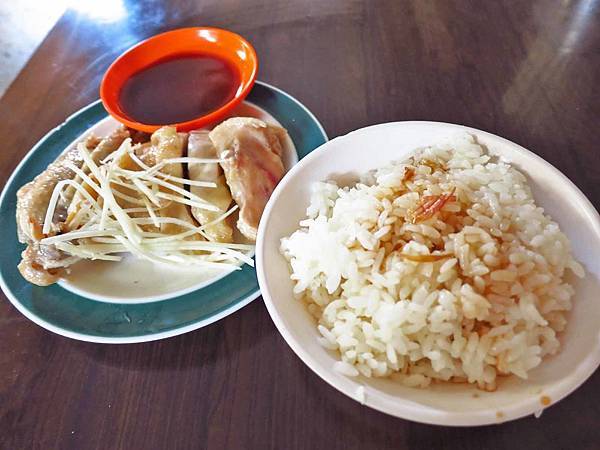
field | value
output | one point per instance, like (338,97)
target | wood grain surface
(526,70)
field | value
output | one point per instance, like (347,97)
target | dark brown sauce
(178,89)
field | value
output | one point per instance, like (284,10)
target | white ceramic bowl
(444,404)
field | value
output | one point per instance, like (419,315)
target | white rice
(492,305)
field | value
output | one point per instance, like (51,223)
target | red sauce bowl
(212,42)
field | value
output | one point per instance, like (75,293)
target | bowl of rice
(434,272)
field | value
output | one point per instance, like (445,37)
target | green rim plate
(77,317)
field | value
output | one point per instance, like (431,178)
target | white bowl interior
(448,404)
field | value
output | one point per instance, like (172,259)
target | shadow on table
(238,333)
(571,423)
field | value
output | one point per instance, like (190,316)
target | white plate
(444,403)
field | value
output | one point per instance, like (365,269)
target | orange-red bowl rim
(192,124)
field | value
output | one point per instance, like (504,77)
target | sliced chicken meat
(200,146)
(41,263)
(166,143)
(251,154)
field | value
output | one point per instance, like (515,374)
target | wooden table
(528,71)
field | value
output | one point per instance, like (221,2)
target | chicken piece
(200,146)
(166,143)
(41,263)
(74,197)
(138,137)
(251,153)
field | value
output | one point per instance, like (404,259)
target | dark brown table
(528,71)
